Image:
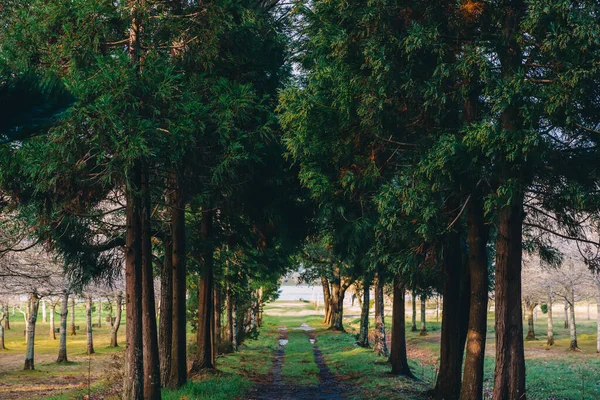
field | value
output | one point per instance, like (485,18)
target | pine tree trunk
(88,321)
(178,376)
(217,315)
(414,311)
(73,332)
(451,352)
(64,313)
(566,324)
(114,328)
(509,379)
(550,341)
(326,300)
(398,356)
(530,324)
(52,332)
(337,302)
(149,336)
(363,335)
(423,315)
(229,317)
(205,334)
(34,302)
(234,326)
(133,388)
(165,335)
(380,336)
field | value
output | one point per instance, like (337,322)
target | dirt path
(276,388)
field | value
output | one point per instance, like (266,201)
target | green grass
(552,372)
(299,367)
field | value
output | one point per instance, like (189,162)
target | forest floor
(296,357)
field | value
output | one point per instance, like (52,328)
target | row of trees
(441,140)
(433,142)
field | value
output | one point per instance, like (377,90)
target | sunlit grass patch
(299,367)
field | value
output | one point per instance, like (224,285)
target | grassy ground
(552,373)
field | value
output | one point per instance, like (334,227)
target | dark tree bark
(178,375)
(509,380)
(398,356)
(363,335)
(478,234)
(88,325)
(230,316)
(133,388)
(64,312)
(165,336)
(452,347)
(380,335)
(217,315)
(205,358)
(509,377)
(414,311)
(530,305)
(326,300)
(149,337)
(114,327)
(34,302)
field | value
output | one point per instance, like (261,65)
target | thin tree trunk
(100,312)
(52,332)
(380,335)
(398,356)
(531,327)
(598,317)
(423,315)
(64,312)
(34,302)
(572,324)
(44,316)
(165,335)
(205,334)
(133,388)
(234,326)
(566,325)
(149,336)
(2,318)
(114,327)
(73,332)
(550,341)
(326,300)
(178,376)
(363,335)
(88,320)
(7,318)
(509,379)
(217,315)
(414,311)
(229,301)
(451,352)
